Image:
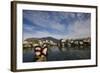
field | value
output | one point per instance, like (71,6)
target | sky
(57,24)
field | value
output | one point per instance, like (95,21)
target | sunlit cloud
(56,24)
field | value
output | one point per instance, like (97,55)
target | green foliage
(35,42)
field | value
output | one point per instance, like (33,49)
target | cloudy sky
(56,24)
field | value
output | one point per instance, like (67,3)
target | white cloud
(79,29)
(40,34)
(28,28)
(42,19)
(58,27)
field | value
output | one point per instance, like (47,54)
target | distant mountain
(50,38)
(43,39)
(31,39)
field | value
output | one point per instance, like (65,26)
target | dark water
(56,54)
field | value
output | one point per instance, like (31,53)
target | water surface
(56,54)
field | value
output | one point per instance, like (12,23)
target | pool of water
(56,54)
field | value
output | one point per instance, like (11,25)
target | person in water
(41,53)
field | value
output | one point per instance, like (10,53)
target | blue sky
(56,24)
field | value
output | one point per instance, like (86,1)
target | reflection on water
(56,54)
